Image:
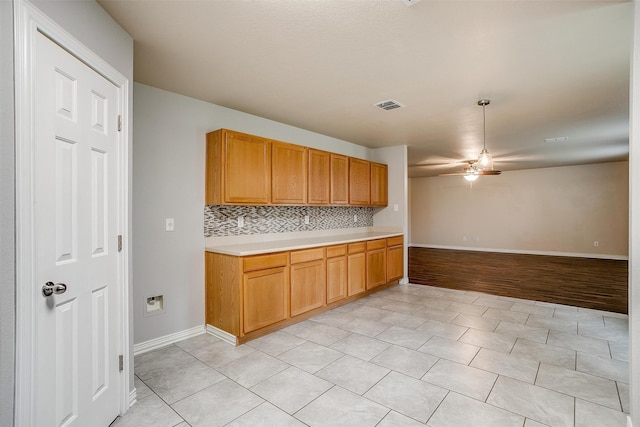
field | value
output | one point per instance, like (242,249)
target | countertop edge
(292,245)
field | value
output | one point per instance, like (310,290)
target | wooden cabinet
(336,273)
(339,179)
(252,295)
(319,177)
(265,297)
(356,268)
(243,169)
(395,258)
(238,169)
(288,174)
(308,280)
(376,263)
(379,184)
(359,182)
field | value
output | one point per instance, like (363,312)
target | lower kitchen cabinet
(357,268)
(249,296)
(395,258)
(376,263)
(336,273)
(308,286)
(264,298)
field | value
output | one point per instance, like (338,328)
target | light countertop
(301,242)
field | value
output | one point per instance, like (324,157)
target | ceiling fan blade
(490,172)
(454,174)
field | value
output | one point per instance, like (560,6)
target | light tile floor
(406,356)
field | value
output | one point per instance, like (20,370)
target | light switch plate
(169,224)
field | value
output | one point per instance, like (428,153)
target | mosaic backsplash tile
(223,220)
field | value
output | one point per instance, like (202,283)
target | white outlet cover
(169,224)
(240,221)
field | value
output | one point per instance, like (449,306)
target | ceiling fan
(484,164)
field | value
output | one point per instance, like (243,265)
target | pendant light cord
(484,129)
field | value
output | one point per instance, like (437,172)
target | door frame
(29,21)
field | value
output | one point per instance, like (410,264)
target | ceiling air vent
(388,105)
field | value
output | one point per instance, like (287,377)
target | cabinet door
(339,179)
(336,279)
(379,184)
(265,298)
(356,269)
(359,182)
(308,286)
(395,263)
(247,169)
(288,174)
(319,177)
(376,268)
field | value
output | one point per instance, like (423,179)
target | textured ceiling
(550,69)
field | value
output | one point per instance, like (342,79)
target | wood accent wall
(600,284)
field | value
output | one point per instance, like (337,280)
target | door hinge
(119,123)
(121,363)
(119,242)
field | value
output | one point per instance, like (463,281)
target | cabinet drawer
(395,241)
(355,248)
(307,255)
(376,244)
(334,251)
(260,262)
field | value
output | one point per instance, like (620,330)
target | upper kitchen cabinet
(238,169)
(288,174)
(379,184)
(339,179)
(359,182)
(319,177)
(245,169)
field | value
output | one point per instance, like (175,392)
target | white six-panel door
(75,223)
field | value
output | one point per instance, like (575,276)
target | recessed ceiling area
(550,68)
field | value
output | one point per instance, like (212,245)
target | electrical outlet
(596,243)
(240,221)
(396,208)
(464,238)
(306,219)
(169,224)
(355,218)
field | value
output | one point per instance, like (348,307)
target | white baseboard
(404,281)
(133,397)
(223,335)
(163,341)
(524,252)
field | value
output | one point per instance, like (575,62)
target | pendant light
(485,161)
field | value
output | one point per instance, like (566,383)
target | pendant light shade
(485,161)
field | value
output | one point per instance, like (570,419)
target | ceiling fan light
(485,161)
(471,177)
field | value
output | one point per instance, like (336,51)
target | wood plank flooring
(600,284)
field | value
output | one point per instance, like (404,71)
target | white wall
(554,210)
(7,223)
(168,182)
(396,160)
(634,213)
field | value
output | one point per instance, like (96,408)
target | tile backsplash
(223,220)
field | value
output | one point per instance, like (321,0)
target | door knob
(50,288)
